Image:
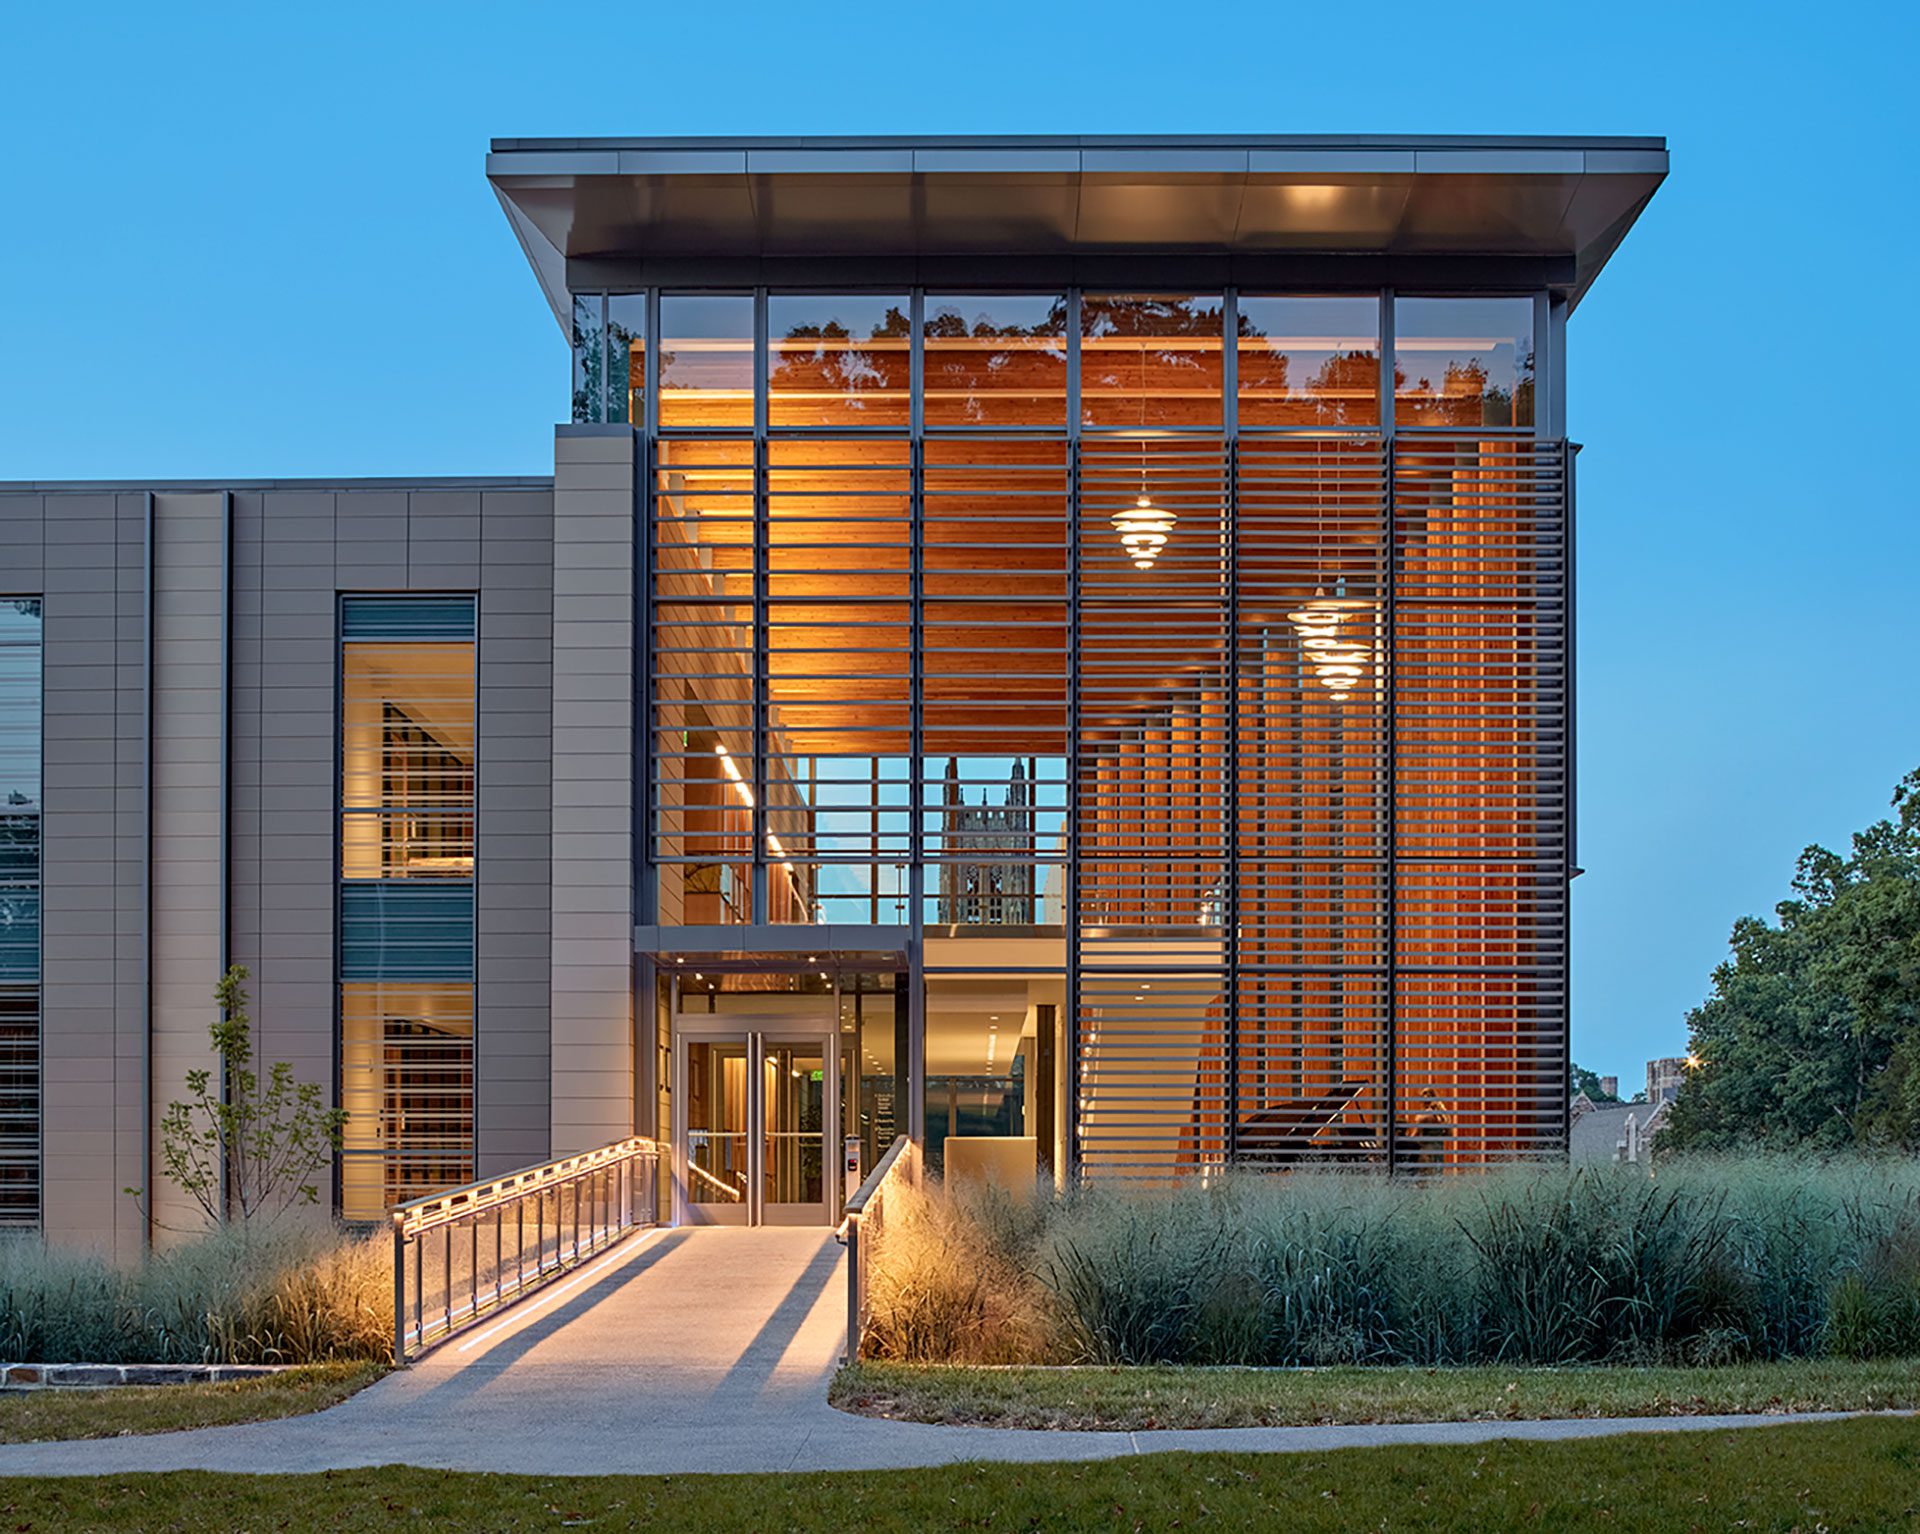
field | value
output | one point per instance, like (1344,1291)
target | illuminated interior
(407,798)
(1249,741)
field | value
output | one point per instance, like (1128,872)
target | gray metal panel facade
(313,545)
(188,808)
(86,555)
(515,817)
(294,548)
(593,657)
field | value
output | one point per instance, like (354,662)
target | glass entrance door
(793,1157)
(753,1111)
(715,1146)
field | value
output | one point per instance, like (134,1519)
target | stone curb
(99,1376)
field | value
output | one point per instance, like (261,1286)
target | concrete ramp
(675,1325)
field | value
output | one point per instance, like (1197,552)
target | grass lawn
(1833,1476)
(32,1416)
(1133,1398)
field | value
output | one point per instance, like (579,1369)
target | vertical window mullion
(916,616)
(1071,894)
(757,817)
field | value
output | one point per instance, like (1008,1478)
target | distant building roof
(1596,1133)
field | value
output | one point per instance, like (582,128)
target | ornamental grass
(290,1295)
(1711,1261)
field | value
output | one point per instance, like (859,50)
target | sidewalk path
(682,1352)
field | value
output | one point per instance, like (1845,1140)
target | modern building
(1059,648)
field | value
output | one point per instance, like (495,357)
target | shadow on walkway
(762,1355)
(455,1374)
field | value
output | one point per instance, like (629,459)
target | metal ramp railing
(459,1256)
(864,1224)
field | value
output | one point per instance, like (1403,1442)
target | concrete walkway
(680,1352)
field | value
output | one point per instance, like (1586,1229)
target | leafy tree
(243,1148)
(1588,1081)
(1811,1036)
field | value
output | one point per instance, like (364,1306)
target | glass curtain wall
(1169,644)
(20,772)
(407,772)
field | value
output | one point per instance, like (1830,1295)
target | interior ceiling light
(1335,632)
(1143,527)
(1335,635)
(733,772)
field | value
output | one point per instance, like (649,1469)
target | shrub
(1714,1261)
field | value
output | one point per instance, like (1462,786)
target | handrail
(857,1205)
(421,1213)
(612,1192)
(725,1187)
(866,1211)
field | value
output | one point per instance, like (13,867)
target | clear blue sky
(255,240)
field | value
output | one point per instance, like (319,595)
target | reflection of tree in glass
(966,372)
(1343,379)
(1340,392)
(1467,396)
(588,363)
(19,838)
(837,363)
(625,360)
(1149,319)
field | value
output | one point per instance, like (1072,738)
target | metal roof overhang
(734,210)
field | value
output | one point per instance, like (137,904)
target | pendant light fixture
(1143,527)
(1332,631)
(1335,632)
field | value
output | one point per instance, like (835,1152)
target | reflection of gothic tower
(1001,892)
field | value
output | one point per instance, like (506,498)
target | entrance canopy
(667,209)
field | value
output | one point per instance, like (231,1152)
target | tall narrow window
(407,764)
(20,658)
(589,357)
(626,357)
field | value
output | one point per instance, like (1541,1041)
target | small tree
(240,1148)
